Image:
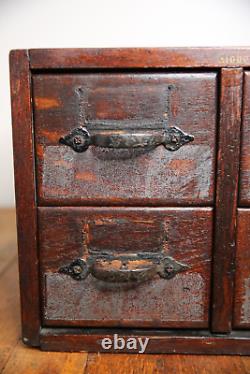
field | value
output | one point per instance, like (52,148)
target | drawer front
(242,274)
(245,155)
(147,138)
(125,266)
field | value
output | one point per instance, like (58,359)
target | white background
(108,23)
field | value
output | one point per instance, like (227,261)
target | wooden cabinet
(130,168)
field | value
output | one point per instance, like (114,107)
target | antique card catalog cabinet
(132,173)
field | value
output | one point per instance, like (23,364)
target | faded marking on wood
(155,177)
(46,103)
(245,309)
(155,303)
(242,271)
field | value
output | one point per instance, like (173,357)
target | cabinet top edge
(141,58)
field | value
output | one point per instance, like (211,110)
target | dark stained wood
(121,176)
(25,194)
(242,273)
(226,198)
(165,184)
(138,58)
(169,341)
(15,357)
(244,198)
(179,302)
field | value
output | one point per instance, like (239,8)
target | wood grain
(25,194)
(226,198)
(167,341)
(138,58)
(179,302)
(9,307)
(159,364)
(244,198)
(28,361)
(125,176)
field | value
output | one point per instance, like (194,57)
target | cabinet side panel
(25,194)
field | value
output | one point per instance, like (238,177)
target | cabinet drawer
(245,154)
(136,127)
(242,274)
(125,266)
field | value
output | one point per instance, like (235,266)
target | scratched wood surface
(63,102)
(226,198)
(245,155)
(16,358)
(24,168)
(139,57)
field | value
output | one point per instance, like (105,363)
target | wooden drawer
(245,139)
(129,110)
(242,273)
(142,267)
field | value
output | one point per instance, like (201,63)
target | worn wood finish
(143,176)
(226,198)
(242,273)
(244,198)
(167,341)
(138,58)
(15,357)
(178,302)
(132,184)
(25,194)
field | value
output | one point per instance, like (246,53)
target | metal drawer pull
(124,268)
(172,138)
